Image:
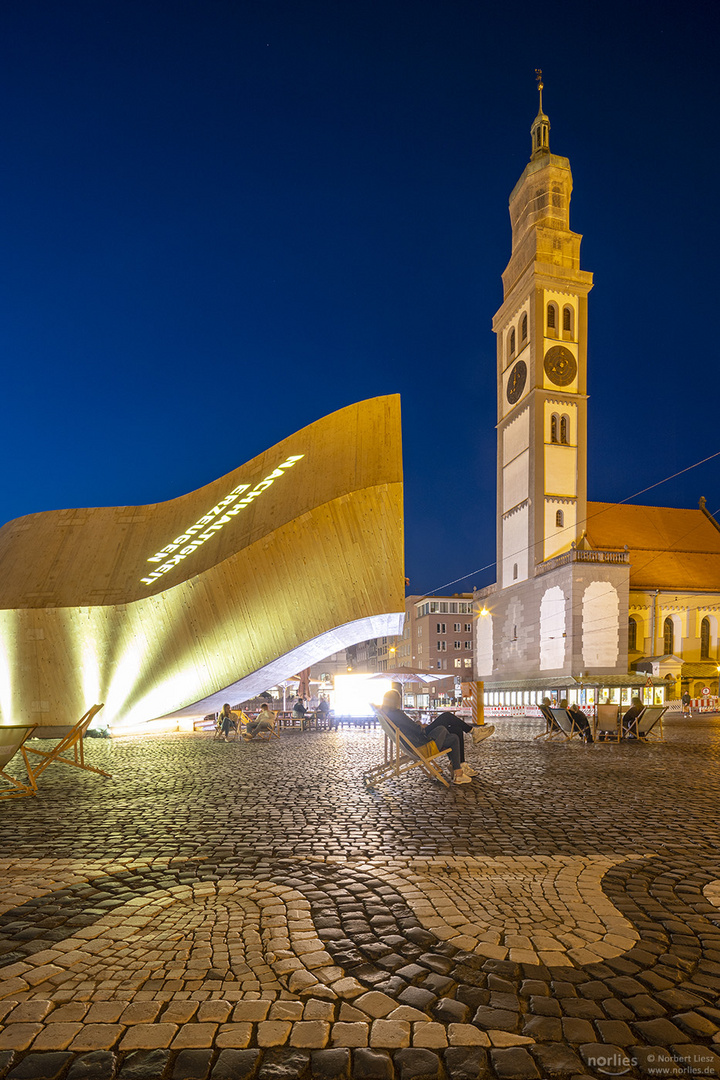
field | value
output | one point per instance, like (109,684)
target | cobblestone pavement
(250,910)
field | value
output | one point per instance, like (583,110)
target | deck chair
(72,739)
(642,726)
(401,756)
(12,738)
(552,728)
(565,721)
(608,722)
(265,735)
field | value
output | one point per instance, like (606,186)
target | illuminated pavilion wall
(215,595)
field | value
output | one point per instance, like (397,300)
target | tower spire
(540,130)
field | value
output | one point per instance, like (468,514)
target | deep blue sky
(222,220)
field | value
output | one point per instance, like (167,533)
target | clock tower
(541,332)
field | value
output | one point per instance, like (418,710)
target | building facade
(592,599)
(176,607)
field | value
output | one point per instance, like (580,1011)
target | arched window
(705,639)
(551,320)
(632,635)
(559,519)
(511,343)
(567,320)
(554,427)
(523,328)
(668,637)
(564,429)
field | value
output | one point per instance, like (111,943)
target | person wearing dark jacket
(581,721)
(420,736)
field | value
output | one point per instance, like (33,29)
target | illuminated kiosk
(176,607)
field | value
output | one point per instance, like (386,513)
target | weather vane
(539,79)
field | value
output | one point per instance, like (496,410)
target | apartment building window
(468,663)
(468,628)
(458,663)
(441,628)
(458,645)
(468,644)
(442,646)
(456,627)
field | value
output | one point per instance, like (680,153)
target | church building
(593,601)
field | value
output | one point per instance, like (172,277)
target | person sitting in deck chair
(264,721)
(227,721)
(581,721)
(419,736)
(629,720)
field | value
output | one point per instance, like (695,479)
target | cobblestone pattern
(229,910)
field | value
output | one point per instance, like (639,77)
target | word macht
(211,523)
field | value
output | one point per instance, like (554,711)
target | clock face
(560,365)
(516,382)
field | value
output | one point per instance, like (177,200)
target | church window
(523,328)
(551,317)
(511,343)
(554,428)
(564,425)
(668,637)
(559,519)
(515,571)
(705,639)
(567,320)
(632,634)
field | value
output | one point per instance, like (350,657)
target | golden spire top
(540,131)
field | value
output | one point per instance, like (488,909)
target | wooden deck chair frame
(608,720)
(566,722)
(72,740)
(401,756)
(642,726)
(12,737)
(552,728)
(265,735)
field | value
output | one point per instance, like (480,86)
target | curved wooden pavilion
(216,595)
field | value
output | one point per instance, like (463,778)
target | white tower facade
(541,332)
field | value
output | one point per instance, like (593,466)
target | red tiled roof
(669,548)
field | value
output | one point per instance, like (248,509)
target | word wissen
(211,523)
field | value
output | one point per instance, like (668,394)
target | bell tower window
(554,428)
(559,519)
(552,320)
(523,328)
(511,343)
(564,429)
(568,321)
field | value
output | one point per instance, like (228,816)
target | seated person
(299,709)
(228,721)
(629,720)
(264,721)
(581,721)
(420,736)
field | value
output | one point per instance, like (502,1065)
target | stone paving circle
(250,910)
